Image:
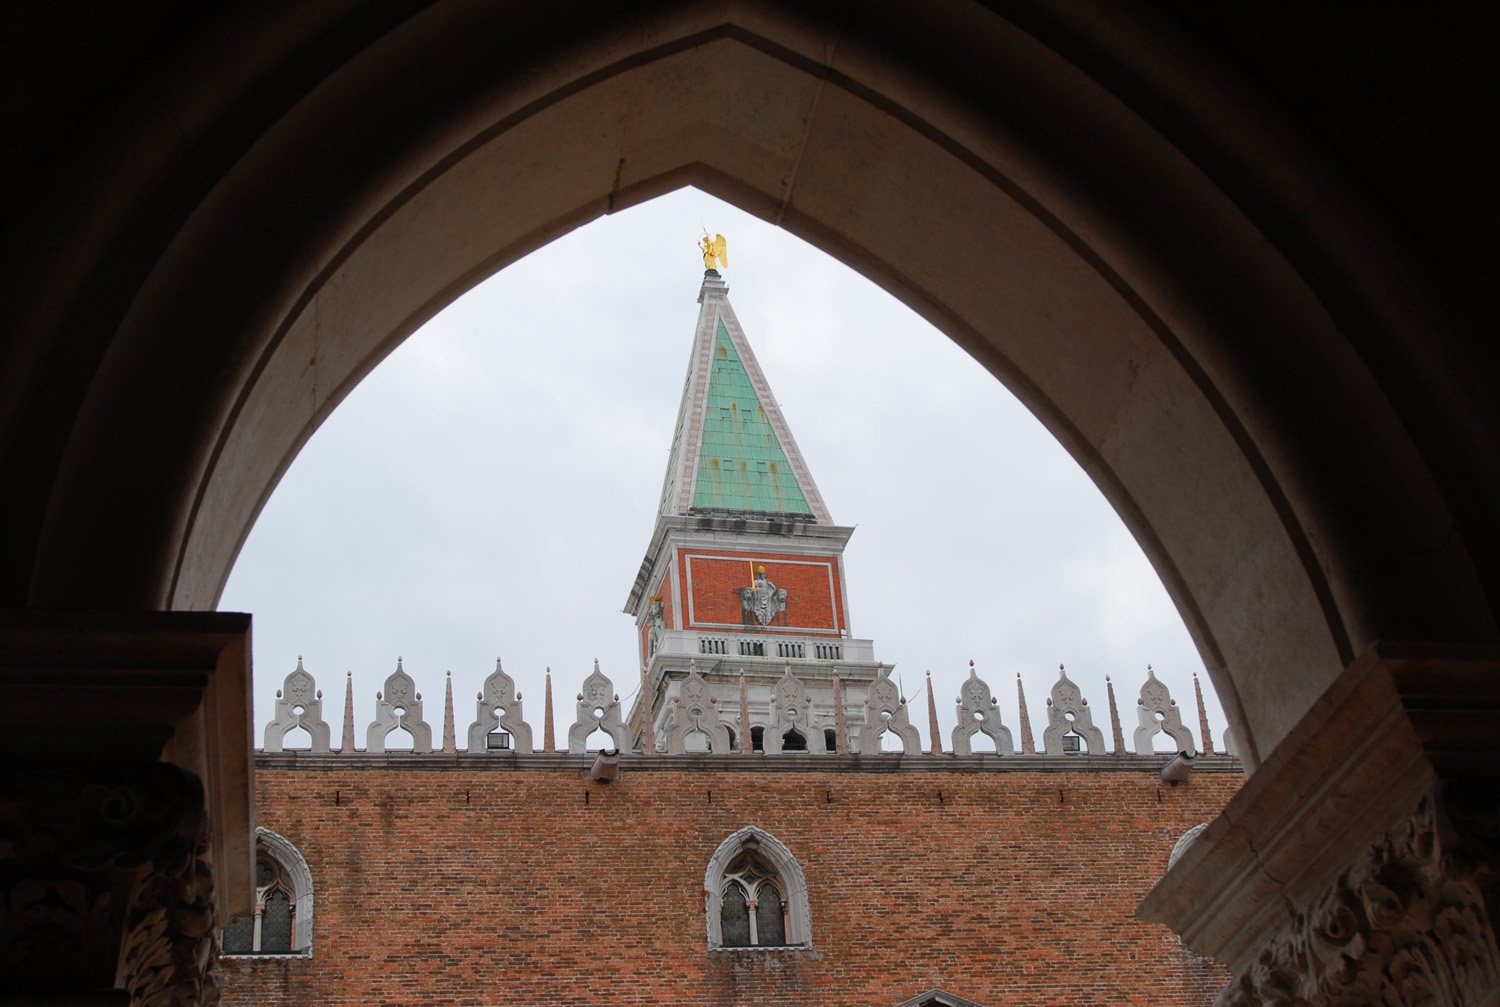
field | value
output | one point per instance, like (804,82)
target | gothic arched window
(753,911)
(282,921)
(757,895)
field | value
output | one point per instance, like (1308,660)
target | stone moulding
(1359,863)
(738,762)
(300,874)
(937,998)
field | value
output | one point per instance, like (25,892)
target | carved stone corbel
(1359,864)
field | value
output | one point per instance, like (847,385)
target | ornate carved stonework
(885,710)
(399,705)
(791,710)
(499,694)
(598,710)
(978,711)
(656,619)
(1067,711)
(695,712)
(1410,924)
(299,703)
(1157,711)
(763,601)
(105,882)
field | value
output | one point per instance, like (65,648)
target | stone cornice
(786,762)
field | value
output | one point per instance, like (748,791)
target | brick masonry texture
(810,604)
(476,887)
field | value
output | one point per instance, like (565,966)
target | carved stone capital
(104,882)
(124,736)
(1359,865)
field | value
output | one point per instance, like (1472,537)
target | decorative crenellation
(1068,713)
(1410,923)
(399,706)
(498,706)
(727,720)
(885,710)
(1157,712)
(299,703)
(598,710)
(978,711)
(791,710)
(694,713)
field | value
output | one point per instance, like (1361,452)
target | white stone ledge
(786,762)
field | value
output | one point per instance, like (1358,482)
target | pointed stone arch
(789,871)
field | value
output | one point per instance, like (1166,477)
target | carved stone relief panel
(1408,925)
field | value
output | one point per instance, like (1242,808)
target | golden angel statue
(714,251)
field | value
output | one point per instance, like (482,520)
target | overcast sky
(489,490)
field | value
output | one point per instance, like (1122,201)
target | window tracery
(756,894)
(754,909)
(282,921)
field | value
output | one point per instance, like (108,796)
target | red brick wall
(499,887)
(814,594)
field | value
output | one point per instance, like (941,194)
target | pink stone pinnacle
(450,741)
(1028,746)
(1114,718)
(348,745)
(548,743)
(932,722)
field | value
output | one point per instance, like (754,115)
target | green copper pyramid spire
(743,466)
(732,450)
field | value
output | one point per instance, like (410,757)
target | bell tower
(744,574)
